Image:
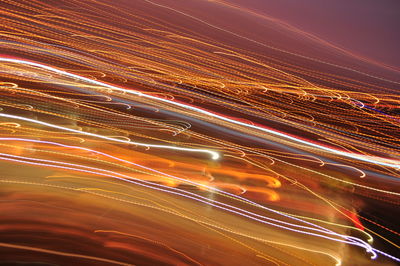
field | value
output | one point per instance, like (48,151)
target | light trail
(215,155)
(166,132)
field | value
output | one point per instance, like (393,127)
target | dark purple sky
(370,28)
